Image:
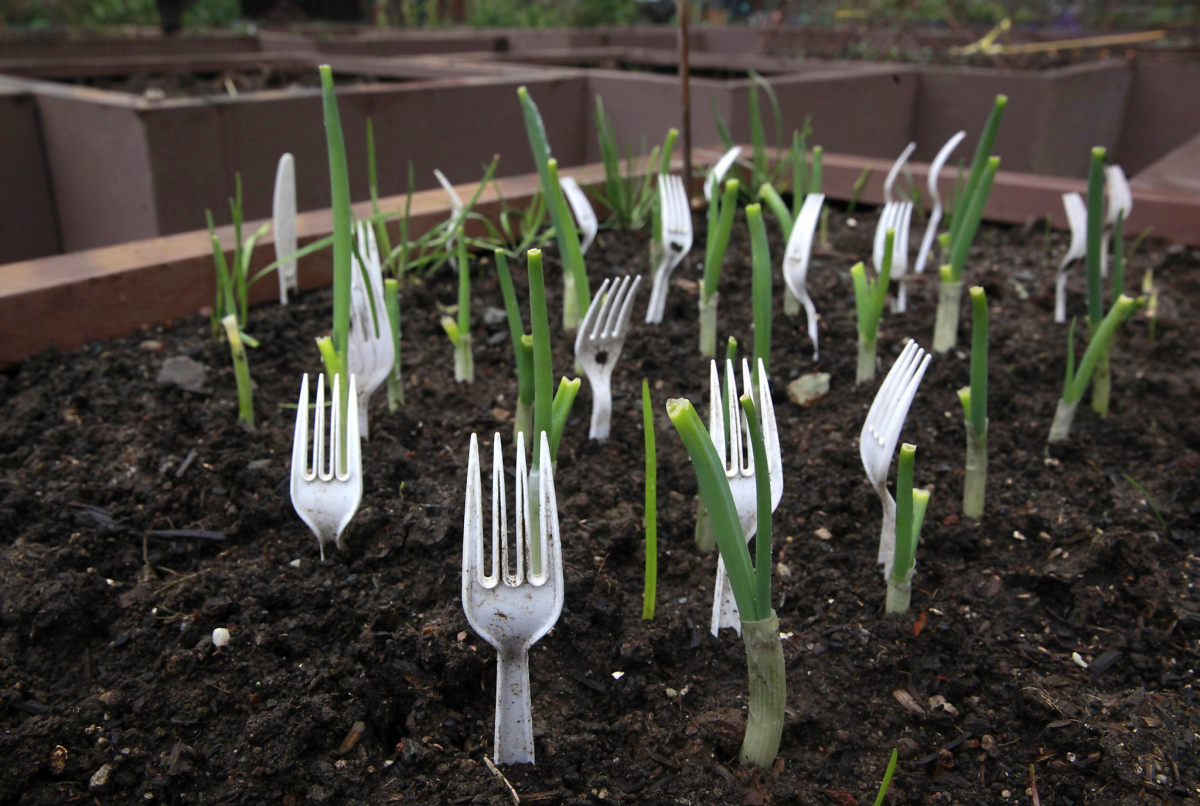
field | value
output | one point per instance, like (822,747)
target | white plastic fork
(796,257)
(456,208)
(1077,220)
(371,352)
(283,213)
(514,615)
(326,497)
(1120,200)
(582,208)
(717,175)
(738,459)
(881,432)
(897,166)
(677,242)
(896,215)
(598,346)
(935,216)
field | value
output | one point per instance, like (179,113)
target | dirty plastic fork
(881,431)
(1120,200)
(456,208)
(584,214)
(677,242)
(738,459)
(599,342)
(372,351)
(283,213)
(325,497)
(795,261)
(514,615)
(935,216)
(896,215)
(1077,220)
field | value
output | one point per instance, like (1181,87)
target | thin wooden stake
(685,94)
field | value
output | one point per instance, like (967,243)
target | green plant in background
(869,296)
(721,208)
(964,222)
(431,251)
(651,584)
(762,171)
(856,191)
(334,348)
(233,283)
(751,583)
(529,230)
(395,382)
(522,350)
(241,369)
(1077,380)
(630,198)
(816,183)
(577,295)
(459,331)
(381,231)
(760,258)
(974,404)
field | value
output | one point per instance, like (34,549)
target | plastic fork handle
(601,405)
(364,399)
(513,741)
(658,290)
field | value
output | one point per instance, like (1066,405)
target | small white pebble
(671,693)
(220,637)
(1078,660)
(618,675)
(295,563)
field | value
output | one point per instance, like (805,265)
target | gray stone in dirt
(181,371)
(494,317)
(100,778)
(260,464)
(808,389)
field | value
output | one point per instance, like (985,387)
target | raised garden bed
(114,665)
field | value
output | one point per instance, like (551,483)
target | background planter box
(28,224)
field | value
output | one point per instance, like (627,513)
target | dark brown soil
(1059,635)
(203,85)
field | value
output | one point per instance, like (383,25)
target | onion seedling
(720,223)
(800,172)
(381,232)
(1077,379)
(334,348)
(460,331)
(974,403)
(629,198)
(910,514)
(395,382)
(869,296)
(761,287)
(816,183)
(651,584)
(771,197)
(576,293)
(241,370)
(522,350)
(233,283)
(965,216)
(751,583)
(856,191)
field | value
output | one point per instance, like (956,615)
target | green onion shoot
(720,223)
(522,350)
(706,541)
(576,294)
(751,583)
(966,214)
(241,370)
(910,514)
(459,331)
(1077,379)
(869,297)
(395,381)
(761,287)
(664,169)
(1102,377)
(333,348)
(651,585)
(974,403)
